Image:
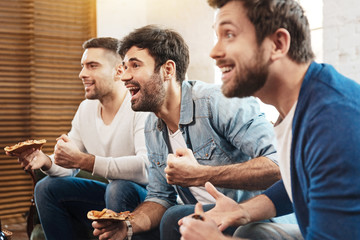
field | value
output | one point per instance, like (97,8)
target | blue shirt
(217,129)
(325,157)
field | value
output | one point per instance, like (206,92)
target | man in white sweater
(106,139)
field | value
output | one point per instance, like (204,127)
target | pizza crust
(22,146)
(103,215)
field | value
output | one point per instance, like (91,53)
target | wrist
(87,162)
(202,175)
(48,163)
(129,230)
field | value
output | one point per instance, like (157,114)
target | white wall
(314,13)
(335,31)
(342,36)
(193,19)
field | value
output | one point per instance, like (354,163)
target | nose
(126,75)
(217,51)
(82,73)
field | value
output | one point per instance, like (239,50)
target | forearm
(256,174)
(147,216)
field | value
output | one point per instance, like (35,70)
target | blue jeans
(63,203)
(169,228)
(271,231)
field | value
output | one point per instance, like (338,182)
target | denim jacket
(219,131)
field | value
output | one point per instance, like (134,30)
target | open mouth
(226,69)
(133,90)
(88,84)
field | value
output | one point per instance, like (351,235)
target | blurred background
(40,51)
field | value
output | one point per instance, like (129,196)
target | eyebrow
(226,22)
(89,63)
(133,59)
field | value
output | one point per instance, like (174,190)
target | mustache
(221,62)
(134,83)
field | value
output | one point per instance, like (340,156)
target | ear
(169,69)
(281,40)
(119,71)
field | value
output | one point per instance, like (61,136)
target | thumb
(213,191)
(199,209)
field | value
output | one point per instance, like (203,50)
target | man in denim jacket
(231,141)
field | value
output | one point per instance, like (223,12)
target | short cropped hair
(163,45)
(108,43)
(269,15)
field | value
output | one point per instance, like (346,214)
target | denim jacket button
(158,163)
(206,155)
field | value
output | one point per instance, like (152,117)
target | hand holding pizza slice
(20,147)
(29,154)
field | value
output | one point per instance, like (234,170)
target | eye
(229,35)
(93,65)
(135,65)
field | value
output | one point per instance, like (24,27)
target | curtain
(40,52)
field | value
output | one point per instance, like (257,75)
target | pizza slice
(109,215)
(22,146)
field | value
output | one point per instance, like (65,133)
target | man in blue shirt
(231,142)
(264,50)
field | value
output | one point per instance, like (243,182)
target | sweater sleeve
(331,160)
(278,195)
(135,167)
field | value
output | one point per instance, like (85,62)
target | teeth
(226,69)
(132,88)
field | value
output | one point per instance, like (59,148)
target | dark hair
(270,15)
(108,43)
(162,44)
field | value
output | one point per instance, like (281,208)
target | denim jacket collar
(187,105)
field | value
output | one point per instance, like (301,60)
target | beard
(93,94)
(100,92)
(152,95)
(251,79)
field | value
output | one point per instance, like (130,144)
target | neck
(170,110)
(283,85)
(111,104)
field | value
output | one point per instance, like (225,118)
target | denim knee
(42,187)
(169,228)
(123,195)
(172,215)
